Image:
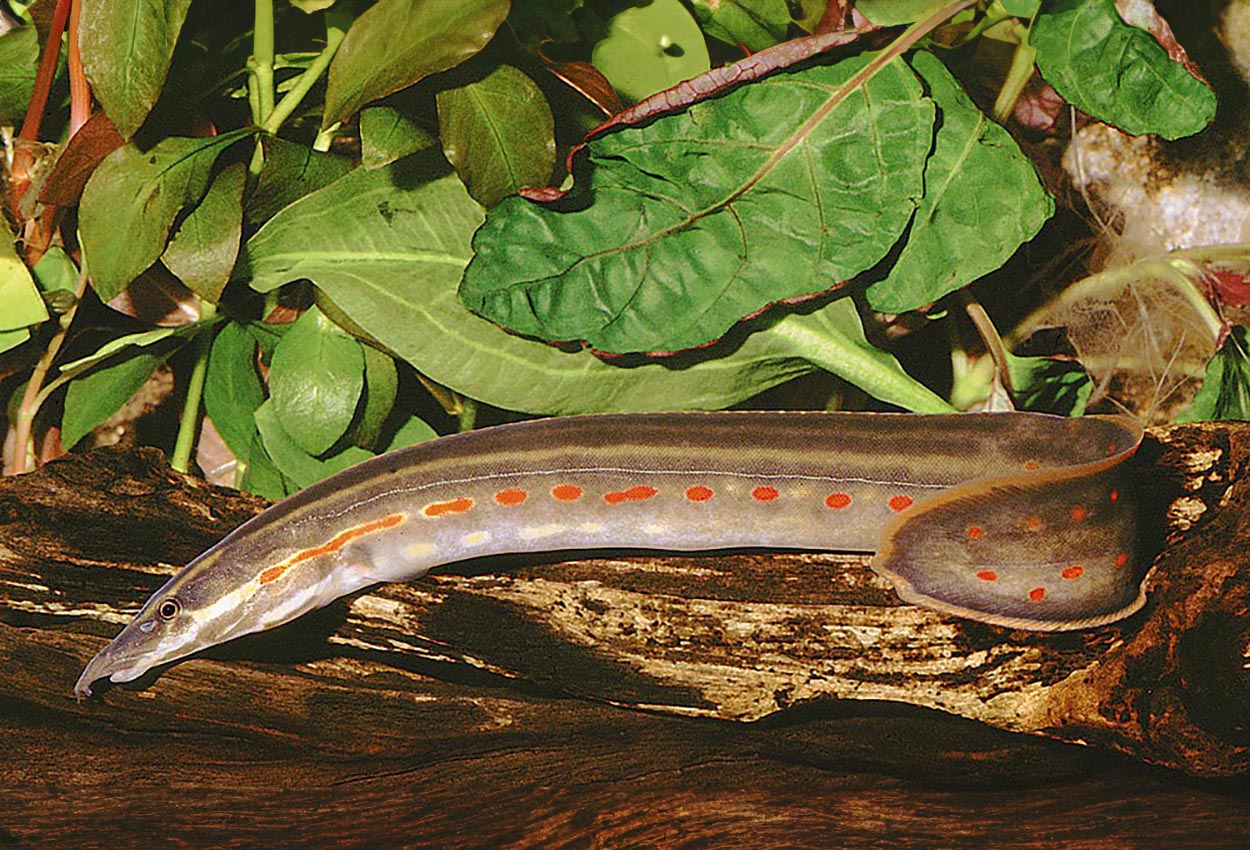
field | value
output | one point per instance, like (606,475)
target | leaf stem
(79,88)
(189,424)
(1017,78)
(35,394)
(260,63)
(337,22)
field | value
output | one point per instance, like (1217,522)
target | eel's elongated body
(1022,520)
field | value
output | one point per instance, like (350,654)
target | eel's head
(203,605)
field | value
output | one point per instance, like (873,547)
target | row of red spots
(698,493)
(508,498)
(640,493)
(765,494)
(900,503)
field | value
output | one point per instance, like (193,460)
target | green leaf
(19,58)
(649,48)
(290,172)
(1024,9)
(143,339)
(395,43)
(132,199)
(498,133)
(261,476)
(1116,72)
(755,24)
(781,188)
(889,13)
(1225,392)
(1049,385)
(20,302)
(12,339)
(287,451)
(232,388)
(203,249)
(315,381)
(413,431)
(94,397)
(55,271)
(126,49)
(381,387)
(982,200)
(386,135)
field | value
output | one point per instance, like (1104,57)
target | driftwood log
(729,700)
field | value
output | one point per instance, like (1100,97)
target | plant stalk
(189,424)
(337,22)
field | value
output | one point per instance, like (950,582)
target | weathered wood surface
(475,709)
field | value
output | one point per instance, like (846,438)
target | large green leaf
(782,188)
(232,388)
(19,56)
(650,47)
(315,380)
(1116,72)
(1225,391)
(203,249)
(388,247)
(498,133)
(755,24)
(132,199)
(126,49)
(398,42)
(290,172)
(386,134)
(982,199)
(20,302)
(97,395)
(288,453)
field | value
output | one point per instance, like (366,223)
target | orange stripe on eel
(455,506)
(640,493)
(338,542)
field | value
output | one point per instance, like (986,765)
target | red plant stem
(47,70)
(79,88)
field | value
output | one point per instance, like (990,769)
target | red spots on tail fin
(838,501)
(698,493)
(455,506)
(566,492)
(508,498)
(975,532)
(1121,559)
(1078,513)
(640,493)
(1032,465)
(764,494)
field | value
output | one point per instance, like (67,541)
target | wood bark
(742,699)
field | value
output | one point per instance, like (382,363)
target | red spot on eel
(838,501)
(1078,513)
(987,575)
(975,531)
(900,503)
(764,494)
(640,493)
(1121,559)
(1074,571)
(566,492)
(1037,594)
(698,493)
(455,506)
(511,497)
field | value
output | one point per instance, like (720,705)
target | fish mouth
(107,662)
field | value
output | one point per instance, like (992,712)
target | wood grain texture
(792,700)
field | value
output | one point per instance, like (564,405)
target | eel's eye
(169,609)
